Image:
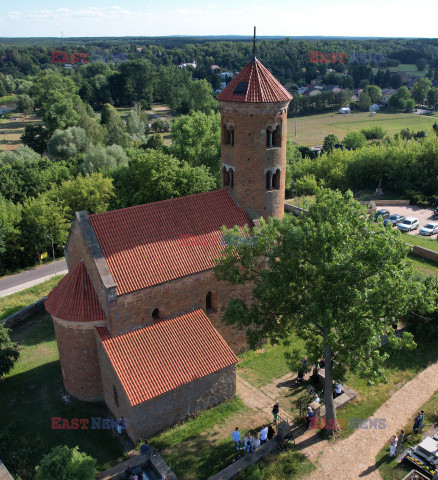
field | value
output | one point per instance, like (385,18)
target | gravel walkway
(354,457)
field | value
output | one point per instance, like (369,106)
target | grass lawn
(289,464)
(391,470)
(7,99)
(199,448)
(423,265)
(427,242)
(261,367)
(16,301)
(29,397)
(408,68)
(312,129)
(303,202)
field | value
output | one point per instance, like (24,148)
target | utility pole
(53,251)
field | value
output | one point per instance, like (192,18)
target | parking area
(424,215)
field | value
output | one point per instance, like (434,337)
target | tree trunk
(330,412)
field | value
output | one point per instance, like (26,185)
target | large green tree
(36,137)
(333,278)
(9,352)
(67,143)
(63,463)
(420,90)
(196,139)
(152,176)
(354,140)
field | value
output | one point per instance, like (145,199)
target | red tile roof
(161,357)
(150,244)
(74,298)
(262,86)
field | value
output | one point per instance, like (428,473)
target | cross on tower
(253,44)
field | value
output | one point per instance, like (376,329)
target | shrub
(373,133)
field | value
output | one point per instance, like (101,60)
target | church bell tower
(253,110)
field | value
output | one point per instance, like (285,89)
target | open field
(312,129)
(11,130)
(408,68)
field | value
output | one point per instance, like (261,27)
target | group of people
(252,441)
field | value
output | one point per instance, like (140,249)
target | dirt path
(354,457)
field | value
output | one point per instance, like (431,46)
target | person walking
(420,427)
(256,442)
(144,449)
(393,445)
(275,410)
(120,426)
(338,390)
(236,439)
(401,440)
(309,415)
(247,442)
(264,434)
(417,422)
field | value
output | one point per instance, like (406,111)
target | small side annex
(166,372)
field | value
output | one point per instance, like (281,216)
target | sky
(95,18)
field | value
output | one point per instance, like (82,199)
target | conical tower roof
(74,298)
(254,84)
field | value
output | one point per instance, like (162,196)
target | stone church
(138,316)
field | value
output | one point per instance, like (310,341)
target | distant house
(333,88)
(374,107)
(312,91)
(185,65)
(301,90)
(386,93)
(224,75)
(344,110)
(215,67)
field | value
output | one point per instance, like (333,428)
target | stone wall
(425,253)
(164,411)
(23,314)
(79,359)
(391,203)
(173,298)
(295,210)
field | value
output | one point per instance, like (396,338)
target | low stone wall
(21,315)
(391,203)
(4,474)
(346,396)
(425,253)
(269,447)
(295,210)
(150,460)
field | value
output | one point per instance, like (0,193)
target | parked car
(408,224)
(394,219)
(381,213)
(429,229)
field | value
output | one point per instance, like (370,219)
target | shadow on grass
(35,330)
(415,360)
(372,468)
(28,401)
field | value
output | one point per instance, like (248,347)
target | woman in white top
(393,445)
(256,441)
(248,442)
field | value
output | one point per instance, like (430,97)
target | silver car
(429,229)
(408,224)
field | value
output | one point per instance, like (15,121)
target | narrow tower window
(225,177)
(228,136)
(272,178)
(273,137)
(116,396)
(210,306)
(276,180)
(156,314)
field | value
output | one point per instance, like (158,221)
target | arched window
(116,396)
(156,314)
(273,136)
(272,178)
(228,136)
(227,176)
(226,180)
(210,303)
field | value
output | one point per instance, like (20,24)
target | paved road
(21,281)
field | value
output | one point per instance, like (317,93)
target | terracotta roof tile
(261,86)
(161,357)
(74,298)
(150,244)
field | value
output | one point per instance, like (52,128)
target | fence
(23,314)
